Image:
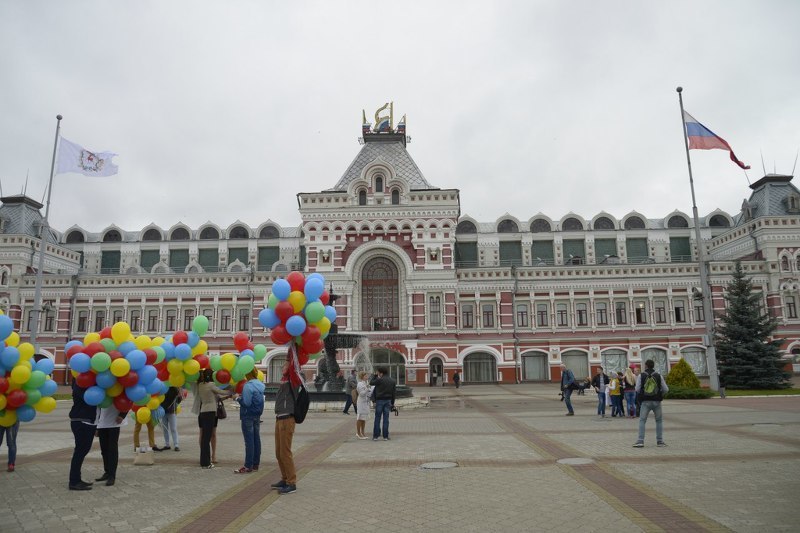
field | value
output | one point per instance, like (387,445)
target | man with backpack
(291,406)
(251,407)
(650,387)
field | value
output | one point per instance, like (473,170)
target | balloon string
(295,365)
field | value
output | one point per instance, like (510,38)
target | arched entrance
(480,367)
(435,369)
(534,366)
(380,301)
(576,361)
(393,361)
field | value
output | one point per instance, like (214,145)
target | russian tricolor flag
(702,138)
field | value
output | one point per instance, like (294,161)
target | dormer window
(793,203)
(362,197)
(395,197)
(379,183)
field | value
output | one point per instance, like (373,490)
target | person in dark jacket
(350,386)
(284,432)
(567,382)
(599,382)
(82,418)
(384,394)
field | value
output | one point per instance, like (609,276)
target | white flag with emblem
(75,158)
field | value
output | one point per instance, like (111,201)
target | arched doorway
(534,366)
(393,361)
(380,301)
(576,361)
(480,367)
(435,371)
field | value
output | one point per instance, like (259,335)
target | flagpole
(705,287)
(37,297)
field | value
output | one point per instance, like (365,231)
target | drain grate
(437,465)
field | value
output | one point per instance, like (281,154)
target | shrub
(682,375)
(688,393)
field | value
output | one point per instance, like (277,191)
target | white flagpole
(37,297)
(705,287)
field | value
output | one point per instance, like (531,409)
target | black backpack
(301,402)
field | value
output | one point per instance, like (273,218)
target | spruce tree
(748,356)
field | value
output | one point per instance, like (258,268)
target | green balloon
(272,301)
(193,377)
(200,325)
(143,401)
(245,364)
(108,400)
(237,375)
(100,362)
(215,362)
(108,344)
(259,352)
(160,353)
(36,380)
(314,356)
(314,312)
(33,396)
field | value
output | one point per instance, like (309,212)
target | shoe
(279,485)
(570,414)
(363,437)
(255,468)
(165,448)
(374,438)
(157,449)
(209,467)
(287,489)
(386,438)
(110,482)
(177,449)
(80,487)
(90,483)
(638,445)
(103,477)
(10,467)
(345,413)
(242,470)
(661,444)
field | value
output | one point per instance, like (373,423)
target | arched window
(394,362)
(719,221)
(395,197)
(380,295)
(614,360)
(659,357)
(572,224)
(151,235)
(677,221)
(239,232)
(540,225)
(180,234)
(696,357)
(507,226)
(75,237)
(465,227)
(634,223)
(362,197)
(797,264)
(379,183)
(480,367)
(269,232)
(209,234)
(785,263)
(112,236)
(603,224)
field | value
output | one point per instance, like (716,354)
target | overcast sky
(224,111)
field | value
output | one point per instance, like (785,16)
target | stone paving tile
(778,429)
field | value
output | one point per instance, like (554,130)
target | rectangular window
(467,317)
(435,311)
(636,250)
(488,315)
(109,262)
(542,253)
(172,318)
(99,320)
(117,316)
(604,248)
(641,312)
(680,311)
(49,320)
(510,253)
(522,315)
(29,327)
(601,308)
(136,316)
(244,319)
(466,254)
(661,312)
(699,316)
(574,252)
(208,259)
(542,313)
(791,307)
(178,260)
(561,315)
(188,318)
(621,315)
(152,320)
(225,320)
(582,315)
(237,253)
(83,319)
(209,314)
(680,249)
(148,259)
(268,256)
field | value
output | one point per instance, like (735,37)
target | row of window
(179,234)
(541,225)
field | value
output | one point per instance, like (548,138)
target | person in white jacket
(109,420)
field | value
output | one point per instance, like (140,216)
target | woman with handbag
(362,403)
(205,407)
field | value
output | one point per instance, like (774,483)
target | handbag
(143,458)
(221,414)
(354,395)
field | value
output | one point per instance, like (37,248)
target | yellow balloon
(3,401)
(1,312)
(161,398)
(45,405)
(200,347)
(143,415)
(153,404)
(175,366)
(177,380)
(324,325)
(228,361)
(115,390)
(158,341)
(8,418)
(74,374)
(13,339)
(13,386)
(25,351)
(90,338)
(120,367)
(26,364)
(120,332)
(261,376)
(298,301)
(178,409)
(191,366)
(20,374)
(143,342)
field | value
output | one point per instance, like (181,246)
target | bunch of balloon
(25,385)
(185,354)
(298,315)
(230,369)
(116,367)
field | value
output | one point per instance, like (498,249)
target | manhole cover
(576,461)
(437,465)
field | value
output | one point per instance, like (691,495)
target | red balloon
(151,356)
(163,374)
(240,386)
(129,380)
(311,334)
(251,346)
(297,281)
(122,403)
(313,346)
(114,354)
(15,398)
(86,379)
(325,298)
(180,337)
(203,360)
(279,335)
(284,311)
(105,333)
(223,376)
(94,348)
(3,385)
(240,340)
(75,349)
(302,359)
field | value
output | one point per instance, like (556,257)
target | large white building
(434,290)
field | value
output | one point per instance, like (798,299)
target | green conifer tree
(682,375)
(748,355)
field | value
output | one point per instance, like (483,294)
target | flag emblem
(75,158)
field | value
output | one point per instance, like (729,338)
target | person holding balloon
(82,418)
(109,421)
(10,434)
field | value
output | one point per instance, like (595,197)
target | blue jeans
(616,405)
(630,399)
(170,425)
(601,403)
(10,434)
(251,428)
(382,409)
(643,412)
(567,394)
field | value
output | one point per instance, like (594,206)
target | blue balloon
(158,414)
(183,352)
(126,347)
(46,365)
(9,357)
(25,413)
(6,327)
(49,388)
(106,379)
(316,275)
(194,338)
(281,289)
(268,319)
(330,313)
(94,395)
(70,344)
(251,353)
(80,362)
(169,350)
(313,289)
(154,387)
(136,393)
(296,325)
(147,374)
(137,359)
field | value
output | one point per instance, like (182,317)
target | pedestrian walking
(651,388)
(349,387)
(457,378)
(10,435)
(567,384)
(109,421)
